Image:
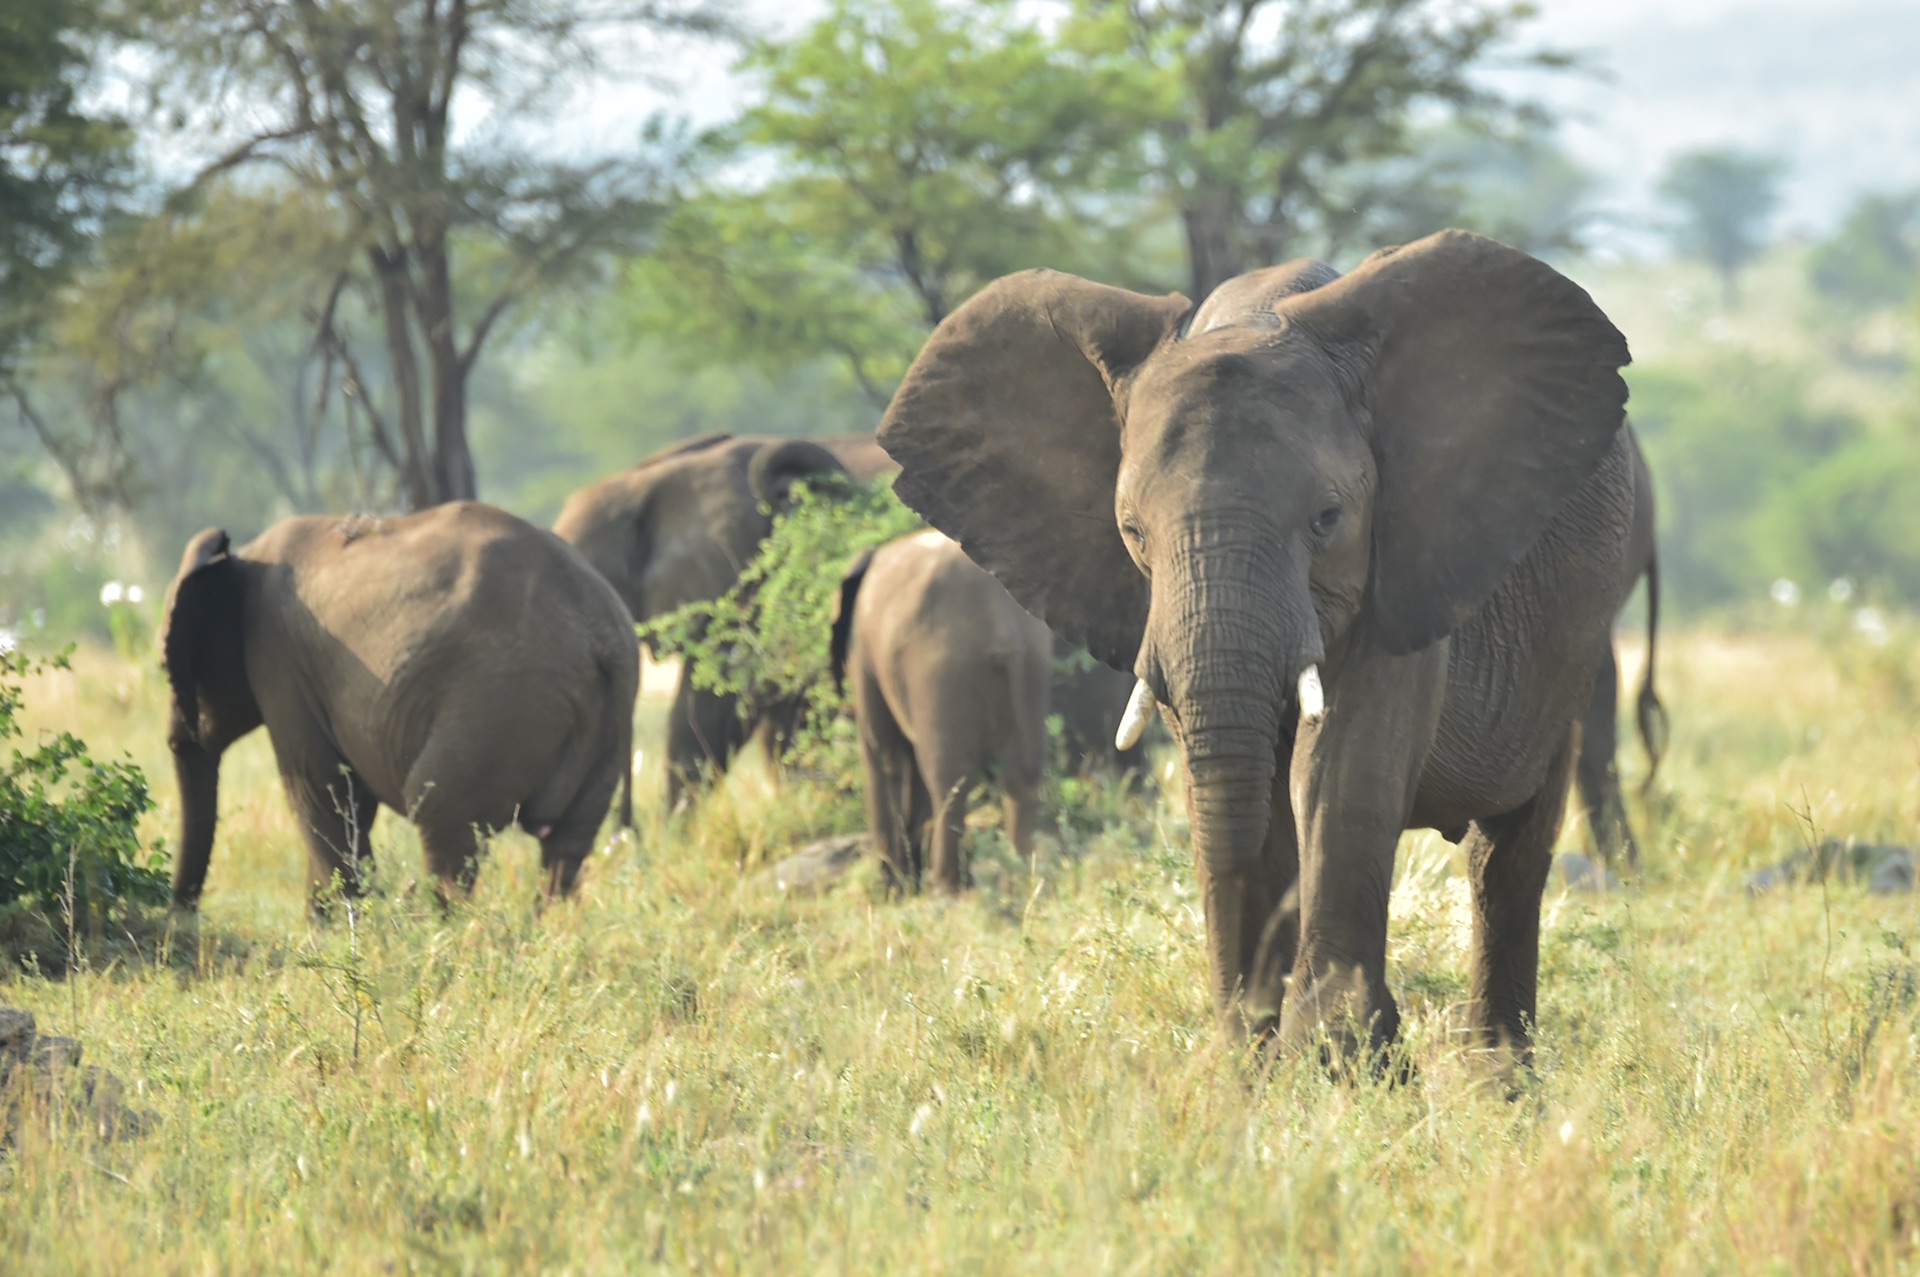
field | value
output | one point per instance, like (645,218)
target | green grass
(681,1071)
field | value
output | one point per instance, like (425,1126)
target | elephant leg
(1598,772)
(950,795)
(1022,808)
(917,801)
(566,844)
(1352,786)
(886,756)
(1509,858)
(336,812)
(452,850)
(704,731)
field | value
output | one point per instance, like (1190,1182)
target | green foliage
(1873,259)
(921,150)
(1725,200)
(767,639)
(1274,120)
(1514,185)
(59,164)
(69,841)
(1852,515)
(1733,447)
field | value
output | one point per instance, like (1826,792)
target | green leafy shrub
(69,843)
(767,639)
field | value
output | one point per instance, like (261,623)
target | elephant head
(679,527)
(202,648)
(1323,460)
(776,470)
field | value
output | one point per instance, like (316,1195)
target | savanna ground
(683,1071)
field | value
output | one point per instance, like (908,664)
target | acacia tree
(916,150)
(59,171)
(447,228)
(1266,107)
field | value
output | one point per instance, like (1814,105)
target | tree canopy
(440,228)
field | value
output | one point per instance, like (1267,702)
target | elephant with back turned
(1360,538)
(950,681)
(459,666)
(679,528)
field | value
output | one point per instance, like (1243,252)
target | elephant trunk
(1236,654)
(197,770)
(1239,648)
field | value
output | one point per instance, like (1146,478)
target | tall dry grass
(683,1071)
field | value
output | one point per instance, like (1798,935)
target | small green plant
(69,843)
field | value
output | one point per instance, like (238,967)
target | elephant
(1597,770)
(679,528)
(458,665)
(950,681)
(1359,538)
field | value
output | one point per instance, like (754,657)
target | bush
(68,838)
(766,640)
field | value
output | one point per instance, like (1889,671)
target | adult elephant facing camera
(1408,487)
(458,665)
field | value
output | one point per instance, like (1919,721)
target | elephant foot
(1350,1028)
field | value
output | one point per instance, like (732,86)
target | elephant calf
(458,665)
(950,681)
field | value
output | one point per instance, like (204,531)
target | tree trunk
(1212,256)
(417,478)
(452,459)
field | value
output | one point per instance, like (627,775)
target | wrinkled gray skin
(1413,477)
(458,666)
(950,681)
(1597,771)
(679,528)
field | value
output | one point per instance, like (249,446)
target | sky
(1830,86)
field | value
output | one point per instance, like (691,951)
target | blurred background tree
(1725,200)
(1873,258)
(349,255)
(62,165)
(1276,122)
(917,151)
(441,230)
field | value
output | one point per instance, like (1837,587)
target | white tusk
(1133,723)
(1313,698)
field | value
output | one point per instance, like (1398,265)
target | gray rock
(1893,875)
(1886,868)
(817,867)
(56,1053)
(16,1035)
(42,1074)
(1583,873)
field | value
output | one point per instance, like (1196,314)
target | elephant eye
(1326,520)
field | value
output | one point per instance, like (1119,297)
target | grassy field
(682,1071)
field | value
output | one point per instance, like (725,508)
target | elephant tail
(1649,714)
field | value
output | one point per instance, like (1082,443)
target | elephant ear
(777,467)
(1494,388)
(200,636)
(842,642)
(1008,438)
